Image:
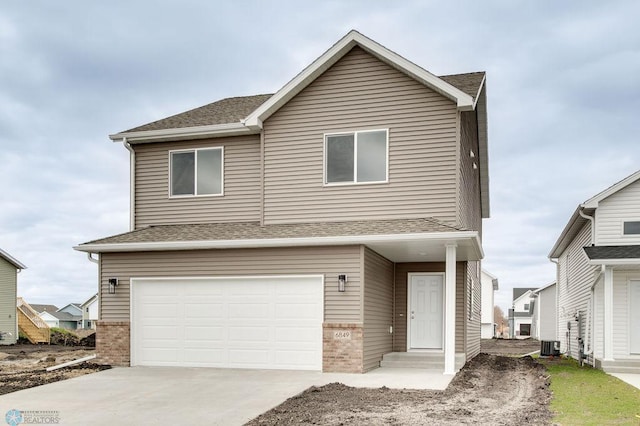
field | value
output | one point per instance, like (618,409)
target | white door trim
(409,275)
(631,309)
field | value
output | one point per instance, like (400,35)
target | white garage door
(243,322)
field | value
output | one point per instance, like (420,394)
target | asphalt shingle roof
(43,308)
(613,252)
(224,111)
(232,110)
(253,231)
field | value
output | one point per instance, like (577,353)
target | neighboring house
(544,325)
(68,317)
(9,269)
(73,309)
(90,312)
(521,313)
(61,320)
(323,227)
(489,285)
(598,258)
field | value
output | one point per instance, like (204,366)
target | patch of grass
(588,396)
(62,331)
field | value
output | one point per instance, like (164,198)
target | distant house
(69,317)
(598,264)
(521,314)
(9,268)
(489,285)
(544,325)
(90,312)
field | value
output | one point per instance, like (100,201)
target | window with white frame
(631,228)
(196,172)
(356,157)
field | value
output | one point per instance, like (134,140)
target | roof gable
(334,54)
(576,222)
(12,260)
(594,201)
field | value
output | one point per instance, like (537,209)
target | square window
(196,172)
(358,157)
(631,228)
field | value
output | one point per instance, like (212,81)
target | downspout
(589,338)
(593,227)
(132,183)
(555,261)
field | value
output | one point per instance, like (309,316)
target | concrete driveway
(189,396)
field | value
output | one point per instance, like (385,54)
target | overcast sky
(563,85)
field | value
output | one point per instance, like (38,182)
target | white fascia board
(12,260)
(196,132)
(592,203)
(562,242)
(337,51)
(615,262)
(284,242)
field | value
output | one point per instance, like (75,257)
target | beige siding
(327,261)
(576,279)
(622,206)
(8,321)
(360,92)
(473,307)
(241,199)
(378,308)
(400,302)
(469,215)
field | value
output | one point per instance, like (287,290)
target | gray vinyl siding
(400,302)
(8,320)
(378,308)
(360,92)
(622,206)
(576,279)
(469,214)
(328,261)
(241,199)
(472,318)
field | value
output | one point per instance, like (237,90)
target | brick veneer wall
(342,348)
(113,343)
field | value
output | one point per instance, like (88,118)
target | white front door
(634,317)
(425,311)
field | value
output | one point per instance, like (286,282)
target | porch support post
(450,310)
(608,313)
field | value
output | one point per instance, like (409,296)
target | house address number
(341,335)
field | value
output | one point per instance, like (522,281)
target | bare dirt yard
(489,390)
(24,366)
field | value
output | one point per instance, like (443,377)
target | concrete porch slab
(632,379)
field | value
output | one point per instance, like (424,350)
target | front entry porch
(425,360)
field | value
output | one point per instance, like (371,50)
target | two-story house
(9,269)
(521,313)
(321,227)
(598,279)
(489,285)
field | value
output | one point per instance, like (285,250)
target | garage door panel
(194,333)
(241,322)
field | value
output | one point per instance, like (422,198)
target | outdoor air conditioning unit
(549,348)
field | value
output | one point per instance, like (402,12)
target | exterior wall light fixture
(113,283)
(342,280)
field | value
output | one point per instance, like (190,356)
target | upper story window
(631,228)
(356,157)
(196,172)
